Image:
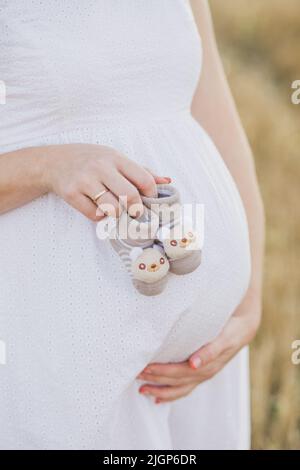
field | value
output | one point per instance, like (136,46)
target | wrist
(47,160)
(251,310)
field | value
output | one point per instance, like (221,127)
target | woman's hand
(174,381)
(78,172)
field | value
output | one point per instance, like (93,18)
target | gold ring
(95,198)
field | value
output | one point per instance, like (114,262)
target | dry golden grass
(260,45)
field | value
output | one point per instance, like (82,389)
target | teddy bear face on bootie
(149,265)
(180,247)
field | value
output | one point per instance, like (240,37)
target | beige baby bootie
(145,261)
(179,239)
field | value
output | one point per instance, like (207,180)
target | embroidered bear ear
(135,253)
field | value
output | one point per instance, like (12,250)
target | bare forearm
(229,137)
(22,177)
(214,108)
(75,173)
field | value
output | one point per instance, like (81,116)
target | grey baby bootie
(179,239)
(145,261)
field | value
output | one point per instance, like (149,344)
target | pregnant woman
(109,94)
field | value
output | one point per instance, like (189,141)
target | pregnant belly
(79,283)
(75,328)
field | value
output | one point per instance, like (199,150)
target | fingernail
(196,363)
(168,179)
(144,392)
(147,371)
(99,212)
(157,401)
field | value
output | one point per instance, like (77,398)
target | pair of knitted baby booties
(160,241)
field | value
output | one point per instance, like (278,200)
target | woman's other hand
(168,382)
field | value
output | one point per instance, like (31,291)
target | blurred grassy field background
(260,45)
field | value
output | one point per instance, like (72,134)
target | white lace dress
(77,333)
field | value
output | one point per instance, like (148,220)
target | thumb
(208,353)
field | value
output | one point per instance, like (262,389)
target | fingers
(139,177)
(166,380)
(162,180)
(100,213)
(107,203)
(206,354)
(175,370)
(231,339)
(164,394)
(126,182)
(170,382)
(226,345)
(84,205)
(194,378)
(126,192)
(159,179)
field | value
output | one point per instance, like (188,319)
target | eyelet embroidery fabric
(120,74)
